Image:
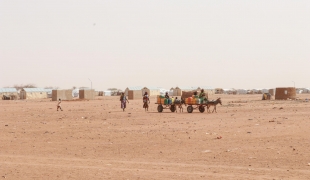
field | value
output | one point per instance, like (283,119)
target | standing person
(59,105)
(123,100)
(146,101)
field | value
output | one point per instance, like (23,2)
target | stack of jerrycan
(188,100)
(194,100)
(160,99)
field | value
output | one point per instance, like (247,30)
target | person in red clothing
(146,101)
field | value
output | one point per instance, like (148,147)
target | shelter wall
(285,93)
(135,94)
(36,95)
(62,94)
(87,94)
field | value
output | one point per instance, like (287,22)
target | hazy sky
(228,44)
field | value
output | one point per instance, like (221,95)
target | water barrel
(189,100)
(158,99)
(193,101)
(166,101)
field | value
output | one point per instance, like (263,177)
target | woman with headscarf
(146,101)
(123,100)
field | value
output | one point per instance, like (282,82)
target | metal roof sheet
(206,87)
(135,88)
(10,90)
(186,88)
(37,90)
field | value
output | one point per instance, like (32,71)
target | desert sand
(96,140)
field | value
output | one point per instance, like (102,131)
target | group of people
(146,99)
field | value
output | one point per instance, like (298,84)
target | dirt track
(96,140)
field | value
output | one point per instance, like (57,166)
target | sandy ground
(96,140)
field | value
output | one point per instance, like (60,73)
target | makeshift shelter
(152,91)
(285,93)
(230,91)
(75,92)
(63,94)
(137,90)
(242,91)
(219,91)
(271,91)
(172,92)
(34,93)
(8,93)
(135,94)
(178,90)
(87,94)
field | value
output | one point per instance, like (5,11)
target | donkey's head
(219,100)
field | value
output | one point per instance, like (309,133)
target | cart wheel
(190,109)
(172,108)
(201,109)
(160,108)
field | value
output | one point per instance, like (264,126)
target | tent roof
(37,90)
(11,90)
(187,88)
(135,88)
(206,87)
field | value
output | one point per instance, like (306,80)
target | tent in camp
(152,91)
(87,94)
(107,93)
(75,92)
(10,93)
(63,94)
(136,90)
(34,93)
(178,90)
(242,91)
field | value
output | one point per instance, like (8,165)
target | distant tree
(21,86)
(115,91)
(51,87)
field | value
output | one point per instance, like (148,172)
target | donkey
(179,103)
(213,103)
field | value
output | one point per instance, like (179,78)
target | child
(58,105)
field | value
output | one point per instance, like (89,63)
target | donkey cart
(200,107)
(161,107)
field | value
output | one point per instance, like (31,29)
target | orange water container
(193,101)
(162,100)
(189,100)
(158,99)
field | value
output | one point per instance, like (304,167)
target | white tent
(107,93)
(75,92)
